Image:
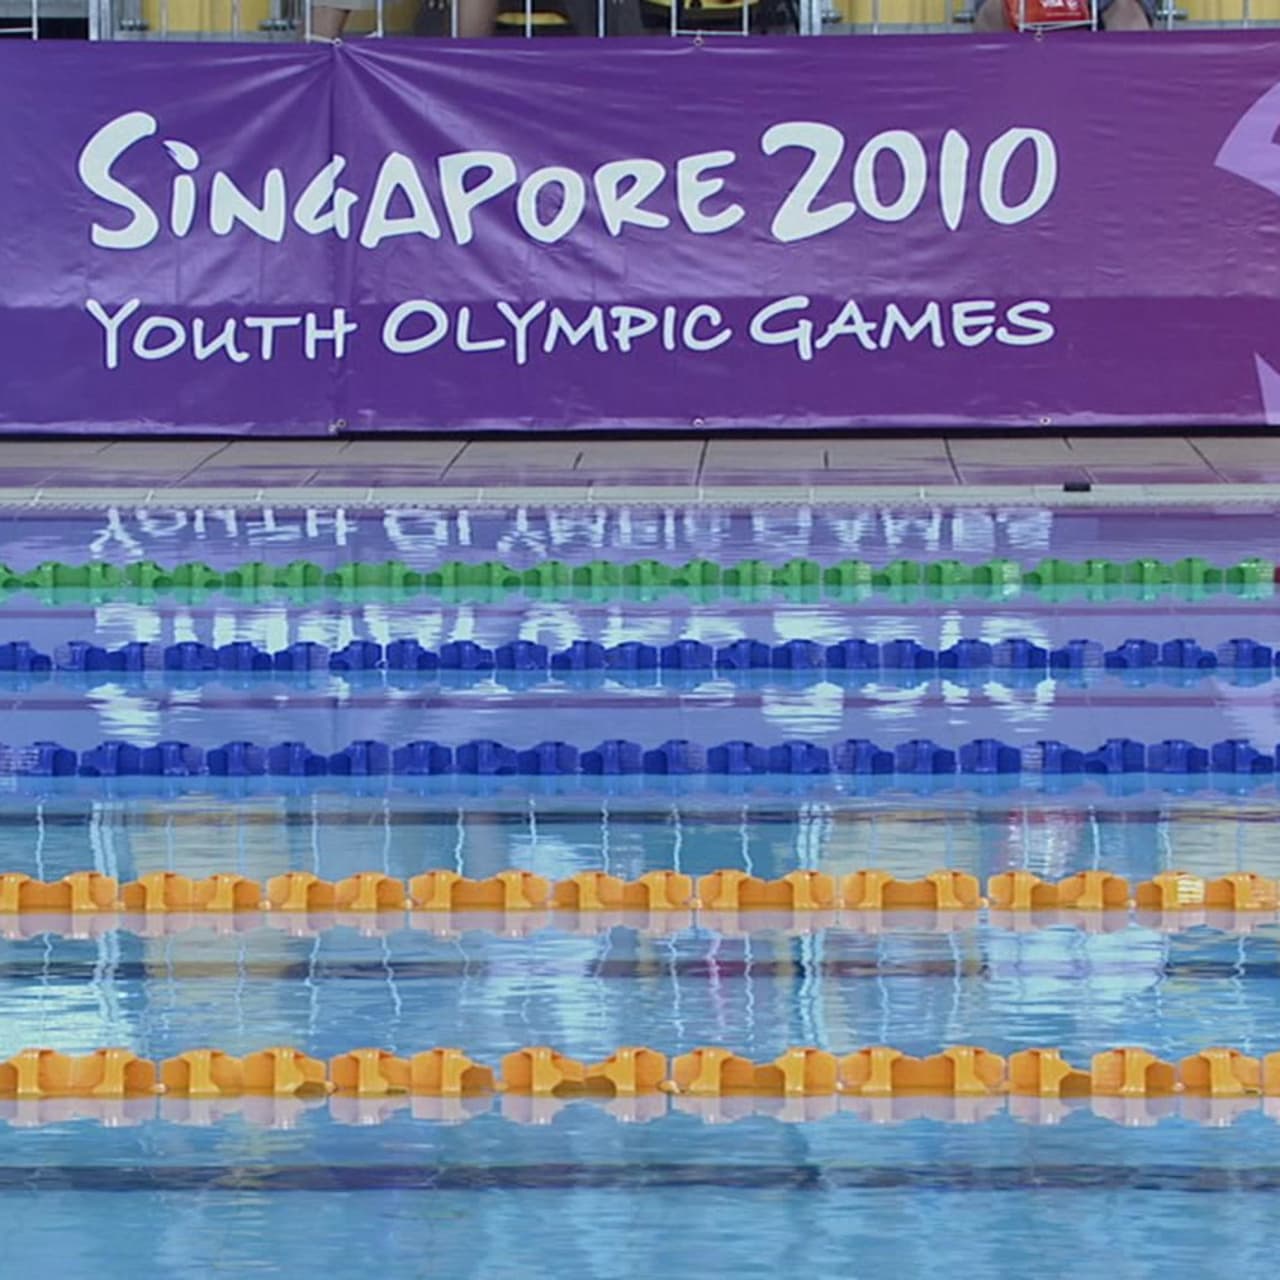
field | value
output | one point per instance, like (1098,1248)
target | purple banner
(748,233)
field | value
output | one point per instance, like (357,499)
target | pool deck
(1132,470)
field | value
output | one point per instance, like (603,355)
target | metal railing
(292,19)
(15,26)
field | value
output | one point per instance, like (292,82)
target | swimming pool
(542,1186)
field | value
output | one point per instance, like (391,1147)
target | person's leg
(990,17)
(476,17)
(1126,15)
(327,23)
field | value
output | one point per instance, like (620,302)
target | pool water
(753,1187)
(588,1195)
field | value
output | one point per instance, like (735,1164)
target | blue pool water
(418,1187)
(587,1195)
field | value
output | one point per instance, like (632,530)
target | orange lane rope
(368,892)
(877,1071)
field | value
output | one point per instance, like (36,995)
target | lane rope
(875,1071)
(620,757)
(1012,660)
(704,578)
(728,891)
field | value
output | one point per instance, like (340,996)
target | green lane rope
(709,579)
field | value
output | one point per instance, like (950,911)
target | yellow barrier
(220,17)
(894,13)
(1232,12)
(204,17)
(539,1071)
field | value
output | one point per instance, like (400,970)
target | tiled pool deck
(1122,470)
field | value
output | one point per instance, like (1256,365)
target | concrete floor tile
(1151,475)
(760,479)
(1242,473)
(632,452)
(1047,473)
(381,453)
(1017,453)
(275,453)
(922,473)
(768,456)
(573,469)
(1236,446)
(95,477)
(524,455)
(1134,449)
(491,477)
(46,453)
(247,477)
(158,455)
(858,451)
(375,475)
(1190,467)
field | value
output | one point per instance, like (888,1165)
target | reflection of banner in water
(223,536)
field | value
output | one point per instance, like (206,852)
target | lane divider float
(844,579)
(710,1071)
(725,891)
(853,658)
(620,757)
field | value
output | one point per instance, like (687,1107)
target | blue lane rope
(618,757)
(1012,657)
